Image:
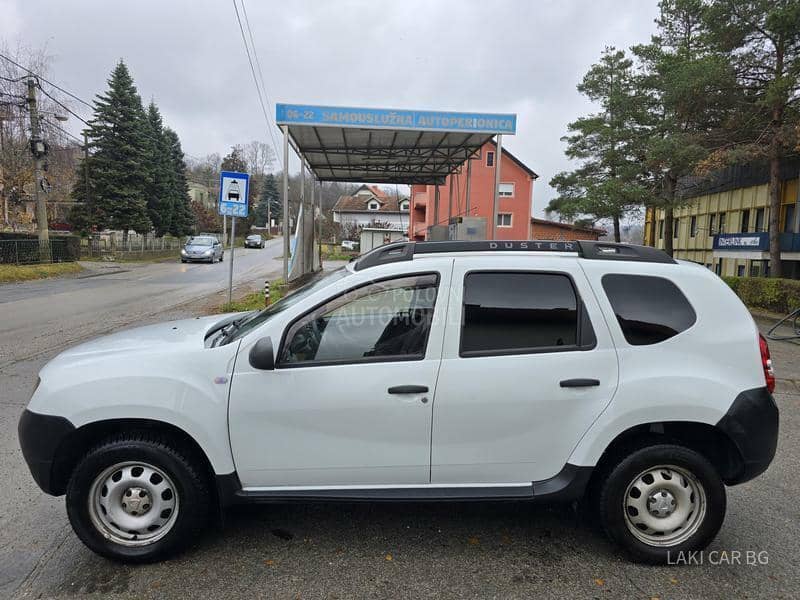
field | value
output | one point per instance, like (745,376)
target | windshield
(253,320)
(200,241)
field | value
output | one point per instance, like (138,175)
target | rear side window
(517,312)
(649,309)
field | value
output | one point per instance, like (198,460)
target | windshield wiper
(228,330)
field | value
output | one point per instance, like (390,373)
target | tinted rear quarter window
(649,309)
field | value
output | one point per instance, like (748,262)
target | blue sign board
(233,190)
(758,241)
(383,118)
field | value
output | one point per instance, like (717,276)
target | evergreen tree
(235,161)
(270,197)
(118,164)
(161,180)
(761,38)
(607,185)
(183,218)
(687,90)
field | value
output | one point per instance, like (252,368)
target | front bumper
(751,423)
(196,258)
(252,245)
(40,437)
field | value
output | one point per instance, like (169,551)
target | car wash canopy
(385,145)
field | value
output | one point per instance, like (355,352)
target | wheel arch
(708,440)
(75,445)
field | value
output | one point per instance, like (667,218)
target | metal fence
(114,245)
(28,252)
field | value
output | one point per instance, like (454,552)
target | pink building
(515,202)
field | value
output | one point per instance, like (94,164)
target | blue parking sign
(233,190)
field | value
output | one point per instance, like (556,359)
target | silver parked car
(204,248)
(254,241)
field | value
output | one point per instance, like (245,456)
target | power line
(64,106)
(255,78)
(58,87)
(62,130)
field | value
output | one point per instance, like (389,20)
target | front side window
(649,309)
(385,320)
(518,312)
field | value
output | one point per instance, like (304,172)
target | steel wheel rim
(664,505)
(133,503)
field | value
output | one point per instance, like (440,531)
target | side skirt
(568,485)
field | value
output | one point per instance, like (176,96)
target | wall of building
(481,198)
(697,246)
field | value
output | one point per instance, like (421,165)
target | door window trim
(586,338)
(279,364)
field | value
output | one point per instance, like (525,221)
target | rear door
(527,365)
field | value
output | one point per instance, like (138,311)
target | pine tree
(183,218)
(270,197)
(118,164)
(607,185)
(160,205)
(687,92)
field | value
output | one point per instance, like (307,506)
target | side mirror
(261,355)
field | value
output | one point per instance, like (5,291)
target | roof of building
(735,176)
(358,203)
(522,165)
(567,226)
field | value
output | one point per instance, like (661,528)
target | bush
(778,295)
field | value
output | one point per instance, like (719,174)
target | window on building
(712,222)
(755,268)
(676,227)
(404,205)
(788,218)
(379,321)
(721,222)
(661,229)
(490,159)
(693,226)
(740,271)
(760,220)
(506,189)
(718,267)
(374,206)
(515,313)
(504,219)
(649,310)
(745,221)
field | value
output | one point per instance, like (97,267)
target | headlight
(183,251)
(208,253)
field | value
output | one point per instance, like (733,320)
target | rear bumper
(39,438)
(751,423)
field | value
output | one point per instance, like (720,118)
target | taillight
(766,362)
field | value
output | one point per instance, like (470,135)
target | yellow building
(724,224)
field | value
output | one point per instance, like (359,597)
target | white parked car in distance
(349,245)
(530,371)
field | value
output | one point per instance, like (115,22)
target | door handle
(571,383)
(408,389)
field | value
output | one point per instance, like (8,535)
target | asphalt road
(366,550)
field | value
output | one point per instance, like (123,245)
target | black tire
(612,502)
(183,261)
(191,488)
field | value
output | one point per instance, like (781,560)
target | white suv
(422,371)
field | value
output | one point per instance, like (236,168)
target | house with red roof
(370,205)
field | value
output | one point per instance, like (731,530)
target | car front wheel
(137,498)
(661,502)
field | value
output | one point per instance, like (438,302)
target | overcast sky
(519,56)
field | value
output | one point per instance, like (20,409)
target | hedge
(777,295)
(64,248)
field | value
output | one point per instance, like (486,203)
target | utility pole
(39,151)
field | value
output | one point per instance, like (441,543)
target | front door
(350,401)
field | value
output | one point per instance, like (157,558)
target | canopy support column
(469,185)
(436,205)
(285,203)
(495,200)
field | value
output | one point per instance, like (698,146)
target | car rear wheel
(661,501)
(137,498)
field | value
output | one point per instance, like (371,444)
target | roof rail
(402,251)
